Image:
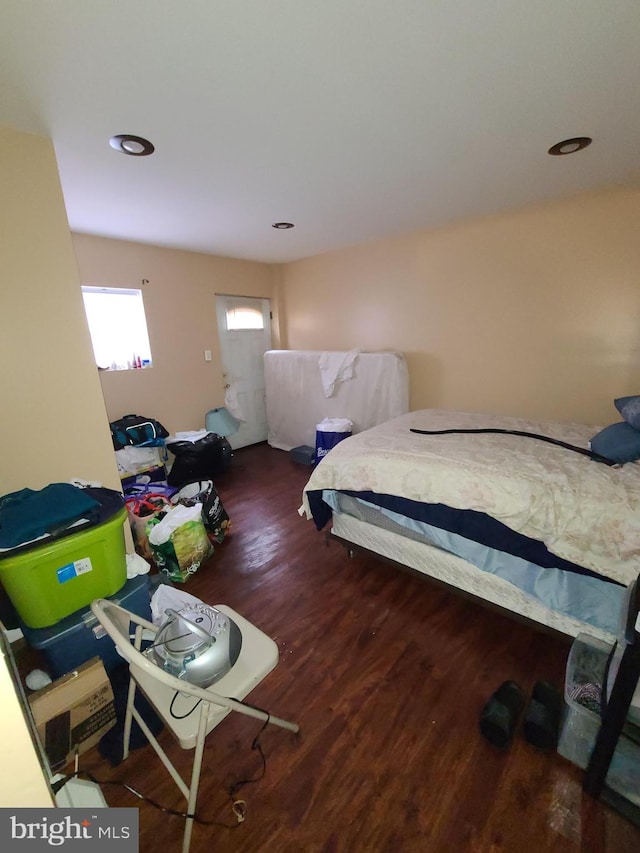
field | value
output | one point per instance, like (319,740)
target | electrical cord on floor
(84,774)
(238,806)
(255,746)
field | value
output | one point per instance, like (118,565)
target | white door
(244,327)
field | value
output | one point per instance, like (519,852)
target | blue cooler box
(78,637)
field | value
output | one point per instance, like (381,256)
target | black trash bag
(197,460)
(214,516)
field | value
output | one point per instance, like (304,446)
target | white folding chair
(188,711)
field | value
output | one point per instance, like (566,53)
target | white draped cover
(377,391)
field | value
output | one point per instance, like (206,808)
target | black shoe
(499,716)
(542,719)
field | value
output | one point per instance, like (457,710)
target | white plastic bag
(175,518)
(136,565)
(171,597)
(335,425)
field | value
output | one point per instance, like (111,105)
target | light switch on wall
(207,355)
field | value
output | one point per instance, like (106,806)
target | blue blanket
(28,514)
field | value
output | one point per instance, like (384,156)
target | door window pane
(244,318)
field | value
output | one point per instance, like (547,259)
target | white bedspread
(584,511)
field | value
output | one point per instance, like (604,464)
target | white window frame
(118,329)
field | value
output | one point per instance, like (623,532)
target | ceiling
(353,119)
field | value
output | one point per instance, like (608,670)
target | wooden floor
(386,676)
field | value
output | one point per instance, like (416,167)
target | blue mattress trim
(589,599)
(469,523)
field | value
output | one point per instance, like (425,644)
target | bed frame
(456,575)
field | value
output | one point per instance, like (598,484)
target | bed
(536,529)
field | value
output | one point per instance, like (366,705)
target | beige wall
(536,313)
(23,781)
(53,426)
(179,302)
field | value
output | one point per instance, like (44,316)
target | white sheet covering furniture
(584,515)
(295,398)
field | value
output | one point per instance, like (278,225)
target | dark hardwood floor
(386,675)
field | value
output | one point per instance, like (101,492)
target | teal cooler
(52,578)
(79,637)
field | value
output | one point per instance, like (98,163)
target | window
(244,318)
(118,327)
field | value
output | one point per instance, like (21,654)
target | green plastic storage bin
(46,584)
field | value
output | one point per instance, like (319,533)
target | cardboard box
(72,713)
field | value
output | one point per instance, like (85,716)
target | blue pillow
(629,408)
(618,442)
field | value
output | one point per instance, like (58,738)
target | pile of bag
(199,459)
(178,533)
(138,431)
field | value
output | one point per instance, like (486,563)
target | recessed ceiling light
(570,146)
(135,146)
(282,226)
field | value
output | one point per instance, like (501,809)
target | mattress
(374,389)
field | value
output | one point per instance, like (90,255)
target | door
(244,327)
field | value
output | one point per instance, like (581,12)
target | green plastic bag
(179,542)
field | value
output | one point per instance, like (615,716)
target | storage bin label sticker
(72,570)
